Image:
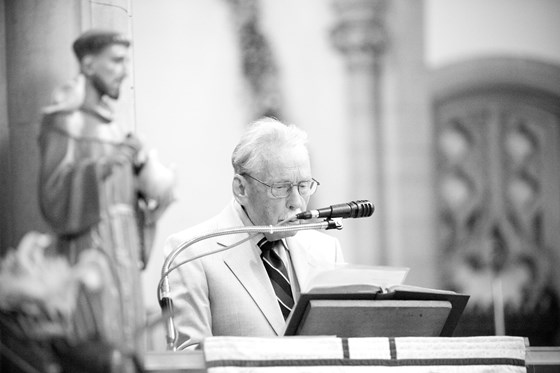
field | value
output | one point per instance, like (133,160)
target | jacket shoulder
(225,219)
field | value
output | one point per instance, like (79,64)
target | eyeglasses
(282,190)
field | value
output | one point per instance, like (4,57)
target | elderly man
(250,289)
(89,189)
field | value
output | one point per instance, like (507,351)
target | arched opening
(497,129)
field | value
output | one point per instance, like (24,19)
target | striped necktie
(278,274)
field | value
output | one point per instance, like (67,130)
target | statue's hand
(130,152)
(134,149)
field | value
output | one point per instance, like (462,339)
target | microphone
(354,209)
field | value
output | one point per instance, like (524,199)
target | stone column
(39,57)
(361,38)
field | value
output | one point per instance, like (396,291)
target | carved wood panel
(498,186)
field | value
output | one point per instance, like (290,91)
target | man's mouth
(290,220)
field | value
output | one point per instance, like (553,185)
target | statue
(98,188)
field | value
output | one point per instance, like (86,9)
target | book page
(419,289)
(358,277)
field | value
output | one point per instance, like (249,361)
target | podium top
(398,313)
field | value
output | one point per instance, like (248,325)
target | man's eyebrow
(289,182)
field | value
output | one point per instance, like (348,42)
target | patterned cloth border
(391,355)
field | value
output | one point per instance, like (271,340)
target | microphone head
(304,215)
(362,208)
(354,209)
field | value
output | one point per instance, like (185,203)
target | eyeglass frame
(286,183)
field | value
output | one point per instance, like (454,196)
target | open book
(369,301)
(354,278)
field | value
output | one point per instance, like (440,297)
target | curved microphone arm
(165,301)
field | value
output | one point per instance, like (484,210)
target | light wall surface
(464,29)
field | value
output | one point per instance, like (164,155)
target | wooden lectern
(395,313)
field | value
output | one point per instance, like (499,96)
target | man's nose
(295,200)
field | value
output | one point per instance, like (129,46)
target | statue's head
(103,58)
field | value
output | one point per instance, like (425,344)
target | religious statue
(101,188)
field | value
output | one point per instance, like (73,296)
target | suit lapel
(245,263)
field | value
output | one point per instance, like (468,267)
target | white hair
(262,135)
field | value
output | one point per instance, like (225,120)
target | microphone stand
(165,301)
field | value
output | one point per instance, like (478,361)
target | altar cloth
(387,355)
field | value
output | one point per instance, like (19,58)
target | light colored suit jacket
(229,293)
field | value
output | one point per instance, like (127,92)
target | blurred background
(444,113)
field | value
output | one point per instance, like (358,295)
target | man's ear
(86,65)
(239,187)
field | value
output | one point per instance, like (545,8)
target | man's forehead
(286,171)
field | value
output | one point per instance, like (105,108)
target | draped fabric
(391,355)
(90,202)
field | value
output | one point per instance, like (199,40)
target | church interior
(444,113)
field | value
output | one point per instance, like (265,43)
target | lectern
(395,313)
